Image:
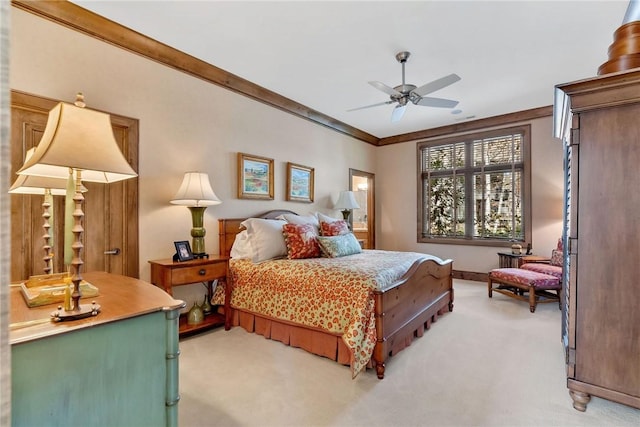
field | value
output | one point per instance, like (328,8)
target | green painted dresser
(119,368)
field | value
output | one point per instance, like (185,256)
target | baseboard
(470,275)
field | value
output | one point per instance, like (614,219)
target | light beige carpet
(488,363)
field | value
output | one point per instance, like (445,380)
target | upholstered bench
(513,282)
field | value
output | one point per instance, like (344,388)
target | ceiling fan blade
(437,102)
(372,105)
(436,85)
(386,89)
(398,112)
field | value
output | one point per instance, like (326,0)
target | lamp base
(202,255)
(87,310)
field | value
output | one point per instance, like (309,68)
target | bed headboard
(229,227)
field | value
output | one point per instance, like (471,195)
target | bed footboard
(406,310)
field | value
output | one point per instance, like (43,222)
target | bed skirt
(317,342)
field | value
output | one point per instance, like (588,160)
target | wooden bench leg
(532,299)
(490,287)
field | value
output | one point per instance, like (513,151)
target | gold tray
(49,289)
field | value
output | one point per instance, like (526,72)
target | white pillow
(241,246)
(266,238)
(325,218)
(301,220)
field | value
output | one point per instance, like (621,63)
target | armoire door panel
(608,229)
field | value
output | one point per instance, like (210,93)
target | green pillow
(338,246)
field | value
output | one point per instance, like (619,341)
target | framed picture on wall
(255,177)
(299,183)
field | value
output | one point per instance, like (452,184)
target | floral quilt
(333,294)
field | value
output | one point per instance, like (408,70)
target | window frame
(467,240)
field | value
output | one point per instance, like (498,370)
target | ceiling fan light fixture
(398,112)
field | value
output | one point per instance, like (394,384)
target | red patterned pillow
(302,241)
(334,228)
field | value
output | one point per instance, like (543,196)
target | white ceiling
(510,54)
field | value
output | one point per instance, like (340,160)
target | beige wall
(187,124)
(396,184)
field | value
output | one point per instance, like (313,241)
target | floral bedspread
(333,294)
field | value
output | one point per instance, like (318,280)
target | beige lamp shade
(195,191)
(30,184)
(27,184)
(347,201)
(81,139)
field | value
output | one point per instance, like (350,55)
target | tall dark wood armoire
(598,121)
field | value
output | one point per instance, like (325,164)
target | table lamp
(346,202)
(196,193)
(80,139)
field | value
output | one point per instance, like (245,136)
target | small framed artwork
(299,183)
(183,251)
(255,177)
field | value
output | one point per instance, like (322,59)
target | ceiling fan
(407,92)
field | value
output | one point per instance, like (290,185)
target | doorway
(364,219)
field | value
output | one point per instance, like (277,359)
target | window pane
(498,150)
(460,207)
(498,205)
(444,157)
(445,206)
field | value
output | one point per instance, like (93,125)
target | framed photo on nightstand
(183,251)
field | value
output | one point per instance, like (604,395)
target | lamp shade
(195,191)
(27,184)
(347,201)
(82,139)
(30,184)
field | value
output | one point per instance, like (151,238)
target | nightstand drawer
(198,273)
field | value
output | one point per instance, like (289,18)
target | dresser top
(120,297)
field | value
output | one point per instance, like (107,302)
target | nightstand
(166,274)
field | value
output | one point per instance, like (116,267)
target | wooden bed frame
(402,312)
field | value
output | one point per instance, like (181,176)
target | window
(474,189)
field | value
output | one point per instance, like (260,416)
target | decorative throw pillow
(266,239)
(338,246)
(302,241)
(556,258)
(334,228)
(300,219)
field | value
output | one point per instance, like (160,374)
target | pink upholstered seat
(538,279)
(525,278)
(514,282)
